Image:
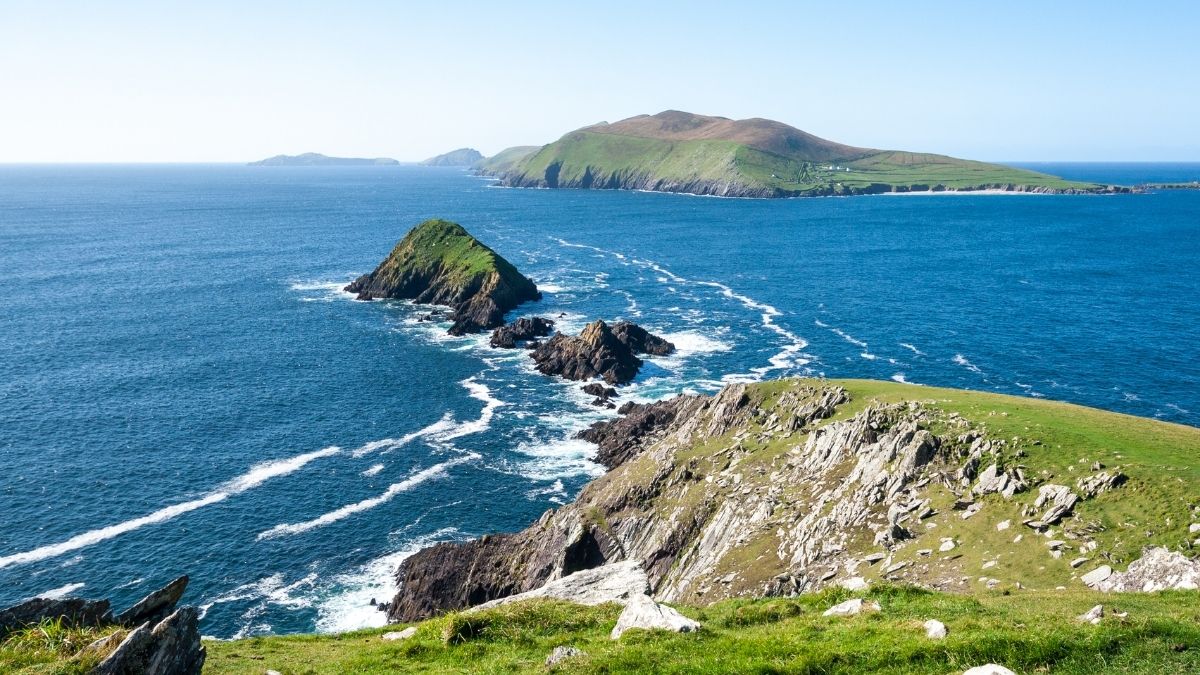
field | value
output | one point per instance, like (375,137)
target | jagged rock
(989,669)
(399,634)
(1097,576)
(1158,569)
(524,329)
(852,607)
(172,647)
(73,612)
(620,439)
(643,612)
(155,606)
(599,391)
(1093,485)
(598,351)
(972,510)
(561,654)
(439,263)
(616,582)
(935,630)
(1058,498)
(1093,616)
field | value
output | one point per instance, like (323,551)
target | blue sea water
(185,389)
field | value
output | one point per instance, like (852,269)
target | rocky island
(676,151)
(460,157)
(440,263)
(600,351)
(317,159)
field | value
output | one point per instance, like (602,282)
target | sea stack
(440,263)
(599,351)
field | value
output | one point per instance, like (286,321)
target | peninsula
(440,263)
(682,152)
(317,159)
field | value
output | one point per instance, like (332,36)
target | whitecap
(372,470)
(962,361)
(61,591)
(899,377)
(444,424)
(413,480)
(911,348)
(257,475)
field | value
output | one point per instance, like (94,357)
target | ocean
(184,388)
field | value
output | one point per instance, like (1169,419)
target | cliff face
(439,263)
(778,489)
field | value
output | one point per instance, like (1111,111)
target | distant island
(460,157)
(676,151)
(317,159)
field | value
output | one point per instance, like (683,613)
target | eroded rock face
(621,438)
(520,331)
(599,351)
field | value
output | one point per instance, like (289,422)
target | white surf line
(60,592)
(413,480)
(962,361)
(911,348)
(444,424)
(257,475)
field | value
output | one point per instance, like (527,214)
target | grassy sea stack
(440,263)
(676,151)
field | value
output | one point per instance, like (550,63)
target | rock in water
(522,330)
(439,263)
(154,606)
(599,351)
(643,612)
(622,438)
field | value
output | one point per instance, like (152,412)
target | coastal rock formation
(170,647)
(617,583)
(72,611)
(439,263)
(522,330)
(699,485)
(155,606)
(599,351)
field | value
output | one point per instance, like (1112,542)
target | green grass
(52,647)
(506,158)
(446,249)
(1029,632)
(607,156)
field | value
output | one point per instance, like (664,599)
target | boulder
(400,634)
(935,630)
(854,584)
(852,608)
(1157,570)
(641,341)
(622,438)
(561,654)
(615,582)
(989,669)
(1097,576)
(643,612)
(1104,481)
(1092,616)
(172,647)
(73,612)
(155,606)
(1058,500)
(522,330)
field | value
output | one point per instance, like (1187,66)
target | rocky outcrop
(155,606)
(642,612)
(509,336)
(439,263)
(1159,569)
(620,439)
(72,611)
(170,647)
(599,351)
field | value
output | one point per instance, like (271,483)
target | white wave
(269,590)
(412,481)
(911,348)
(1178,409)
(550,288)
(899,377)
(374,469)
(61,591)
(962,361)
(480,392)
(444,424)
(257,475)
(868,356)
(564,458)
(322,291)
(346,604)
(556,489)
(691,342)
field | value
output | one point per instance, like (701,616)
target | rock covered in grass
(643,612)
(72,612)
(935,630)
(853,607)
(562,653)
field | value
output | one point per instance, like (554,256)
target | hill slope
(460,157)
(440,263)
(505,159)
(676,151)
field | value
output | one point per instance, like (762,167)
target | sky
(236,81)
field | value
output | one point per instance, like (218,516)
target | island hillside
(460,157)
(317,159)
(505,159)
(677,151)
(440,263)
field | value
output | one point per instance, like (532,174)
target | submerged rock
(439,263)
(600,351)
(524,329)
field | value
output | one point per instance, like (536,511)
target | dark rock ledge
(600,351)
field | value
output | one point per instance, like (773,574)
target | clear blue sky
(235,81)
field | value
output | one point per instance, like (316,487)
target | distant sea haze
(180,351)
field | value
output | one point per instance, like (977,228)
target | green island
(677,151)
(459,157)
(1009,573)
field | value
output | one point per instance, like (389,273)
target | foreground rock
(171,647)
(72,611)
(935,630)
(609,583)
(561,654)
(852,607)
(439,263)
(643,612)
(1158,569)
(155,606)
(522,330)
(599,351)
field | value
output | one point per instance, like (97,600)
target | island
(504,160)
(676,151)
(317,159)
(440,263)
(461,157)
